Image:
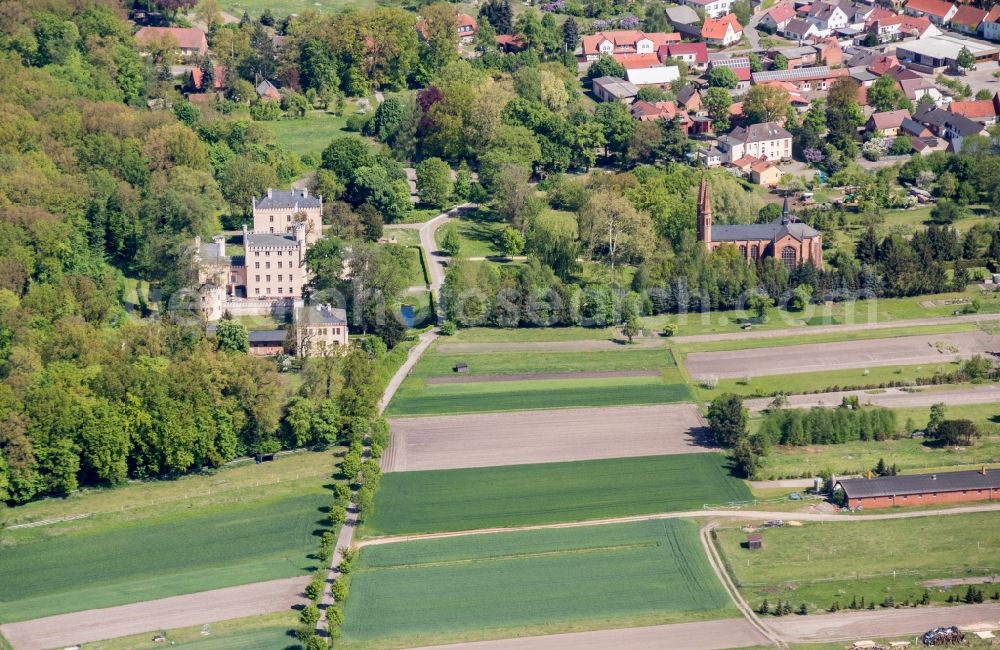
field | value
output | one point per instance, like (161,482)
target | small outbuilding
(755,541)
(461,367)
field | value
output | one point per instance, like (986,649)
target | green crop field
(531,582)
(802,337)
(819,563)
(520,495)
(285,7)
(436,364)
(165,538)
(530,335)
(418,398)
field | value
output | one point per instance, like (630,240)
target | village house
(191,41)
(722,32)
(689,99)
(738,64)
(889,26)
(805,79)
(319,329)
(968,20)
(613,89)
(682,16)
(766,140)
(712,8)
(666,110)
(777,17)
(920,489)
(797,57)
(268,92)
(800,30)
(991,24)
(465,25)
(938,12)
(829,16)
(658,75)
(886,124)
(985,111)
(196,81)
(614,43)
(765,172)
(695,55)
(786,238)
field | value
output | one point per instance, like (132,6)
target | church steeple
(704,213)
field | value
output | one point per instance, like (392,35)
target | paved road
(703,635)
(890,398)
(179,611)
(826,329)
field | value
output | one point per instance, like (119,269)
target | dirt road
(703,635)
(891,397)
(932,350)
(522,437)
(845,626)
(179,611)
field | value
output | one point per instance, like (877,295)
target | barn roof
(887,486)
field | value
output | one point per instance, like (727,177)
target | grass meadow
(415,397)
(530,582)
(264,632)
(312,133)
(436,364)
(821,563)
(158,539)
(477,233)
(521,495)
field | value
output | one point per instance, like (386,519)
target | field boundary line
(47,522)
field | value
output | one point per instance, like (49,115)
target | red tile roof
(938,8)
(188,38)
(781,13)
(883,64)
(994,15)
(969,17)
(699,50)
(634,61)
(889,119)
(218,78)
(716,28)
(625,40)
(977,109)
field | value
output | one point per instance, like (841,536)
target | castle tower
(704,214)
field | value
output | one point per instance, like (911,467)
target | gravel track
(890,398)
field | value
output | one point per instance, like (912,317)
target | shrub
(671,329)
(448,328)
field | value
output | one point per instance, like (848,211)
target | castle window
(257,291)
(743,251)
(754,252)
(256,265)
(788,256)
(268,278)
(279,278)
(272,220)
(269,291)
(257,278)
(267,265)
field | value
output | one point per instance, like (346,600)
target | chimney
(305,192)
(270,193)
(197,243)
(245,233)
(933,477)
(983,470)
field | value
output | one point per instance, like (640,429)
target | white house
(991,24)
(767,140)
(828,17)
(712,8)
(722,32)
(801,30)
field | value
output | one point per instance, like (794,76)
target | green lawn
(806,382)
(264,632)
(477,232)
(530,582)
(311,134)
(416,276)
(520,495)
(285,7)
(435,364)
(803,337)
(415,397)
(819,563)
(529,335)
(154,540)
(853,312)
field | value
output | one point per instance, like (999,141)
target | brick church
(786,238)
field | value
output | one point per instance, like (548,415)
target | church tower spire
(704,214)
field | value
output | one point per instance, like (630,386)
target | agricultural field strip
(890,397)
(813,330)
(512,438)
(749,515)
(930,349)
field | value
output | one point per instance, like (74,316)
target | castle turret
(704,214)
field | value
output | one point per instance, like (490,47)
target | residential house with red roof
(722,32)
(651,111)
(991,24)
(695,55)
(218,79)
(465,25)
(968,19)
(777,17)
(986,111)
(614,43)
(805,79)
(938,12)
(765,172)
(190,41)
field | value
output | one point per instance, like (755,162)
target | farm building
(920,489)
